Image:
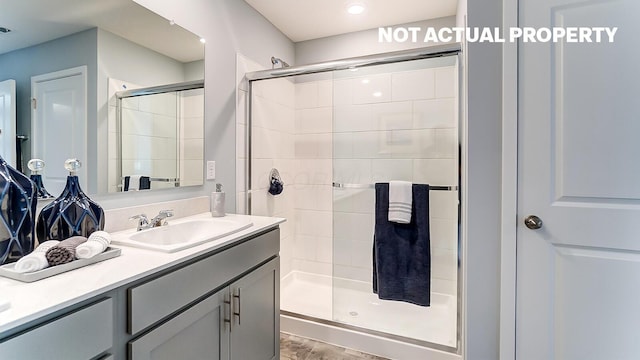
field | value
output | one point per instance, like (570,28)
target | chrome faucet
(144,222)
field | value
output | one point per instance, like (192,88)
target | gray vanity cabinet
(239,322)
(198,333)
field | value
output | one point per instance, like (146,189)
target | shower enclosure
(334,130)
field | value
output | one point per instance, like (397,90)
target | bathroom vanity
(216,300)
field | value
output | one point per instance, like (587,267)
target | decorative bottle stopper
(72,213)
(36,165)
(18,212)
(72,166)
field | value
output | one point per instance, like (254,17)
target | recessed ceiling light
(355,9)
(202,40)
(377,94)
(365,81)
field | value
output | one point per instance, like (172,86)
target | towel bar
(173,180)
(372,186)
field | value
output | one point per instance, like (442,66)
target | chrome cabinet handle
(237,313)
(533,222)
(227,303)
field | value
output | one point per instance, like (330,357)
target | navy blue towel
(402,252)
(145,183)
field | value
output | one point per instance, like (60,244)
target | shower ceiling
(306,20)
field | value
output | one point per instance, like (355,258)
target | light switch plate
(211,170)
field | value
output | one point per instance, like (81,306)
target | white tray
(9,272)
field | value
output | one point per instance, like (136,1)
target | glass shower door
(395,122)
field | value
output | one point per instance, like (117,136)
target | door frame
(509,202)
(9,132)
(37,79)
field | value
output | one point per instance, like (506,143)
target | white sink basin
(182,234)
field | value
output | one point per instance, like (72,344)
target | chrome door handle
(533,222)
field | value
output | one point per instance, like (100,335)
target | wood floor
(297,348)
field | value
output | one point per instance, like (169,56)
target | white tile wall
(392,116)
(413,85)
(313,121)
(371,89)
(436,113)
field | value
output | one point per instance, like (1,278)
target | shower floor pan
(353,303)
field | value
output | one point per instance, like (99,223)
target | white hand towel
(134,182)
(97,243)
(400,201)
(37,259)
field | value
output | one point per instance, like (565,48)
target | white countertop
(30,301)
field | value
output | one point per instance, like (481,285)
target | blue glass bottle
(17,214)
(36,165)
(72,213)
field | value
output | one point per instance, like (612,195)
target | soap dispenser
(217,202)
(18,213)
(72,213)
(36,165)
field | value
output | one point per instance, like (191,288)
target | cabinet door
(198,333)
(256,314)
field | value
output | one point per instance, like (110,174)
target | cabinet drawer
(81,335)
(158,298)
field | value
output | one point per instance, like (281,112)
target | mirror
(76,64)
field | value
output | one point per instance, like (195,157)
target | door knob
(533,222)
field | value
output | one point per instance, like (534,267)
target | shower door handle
(533,222)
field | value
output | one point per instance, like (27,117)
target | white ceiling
(36,21)
(311,19)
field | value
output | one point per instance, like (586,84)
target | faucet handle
(141,217)
(161,218)
(166,213)
(143,221)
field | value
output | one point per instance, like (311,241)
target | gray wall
(360,43)
(194,70)
(484,94)
(230,27)
(44,58)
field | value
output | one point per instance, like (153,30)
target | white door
(58,127)
(578,276)
(8,121)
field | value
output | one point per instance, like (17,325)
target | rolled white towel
(97,243)
(37,259)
